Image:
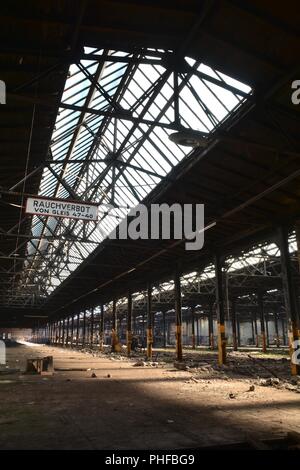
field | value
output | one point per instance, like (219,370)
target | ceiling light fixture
(189,138)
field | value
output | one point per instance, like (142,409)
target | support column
(211,327)
(255,329)
(277,340)
(63,332)
(164,330)
(101,332)
(252,330)
(267,331)
(77,330)
(220,310)
(67,332)
(297,227)
(149,322)
(260,302)
(238,325)
(200,330)
(197,330)
(84,329)
(233,324)
(143,329)
(114,327)
(92,328)
(129,324)
(290,296)
(72,331)
(283,330)
(193,327)
(178,314)
(59,332)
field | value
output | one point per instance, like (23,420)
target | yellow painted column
(220,311)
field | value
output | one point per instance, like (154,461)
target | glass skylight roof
(111,145)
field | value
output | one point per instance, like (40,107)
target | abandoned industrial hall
(150,227)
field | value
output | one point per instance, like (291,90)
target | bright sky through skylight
(106,140)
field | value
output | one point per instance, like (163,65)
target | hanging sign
(61,208)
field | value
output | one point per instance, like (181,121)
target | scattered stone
(180,365)
(170,421)
(93,376)
(291,387)
(232,395)
(251,388)
(108,376)
(270,382)
(139,364)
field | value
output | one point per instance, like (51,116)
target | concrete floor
(128,407)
